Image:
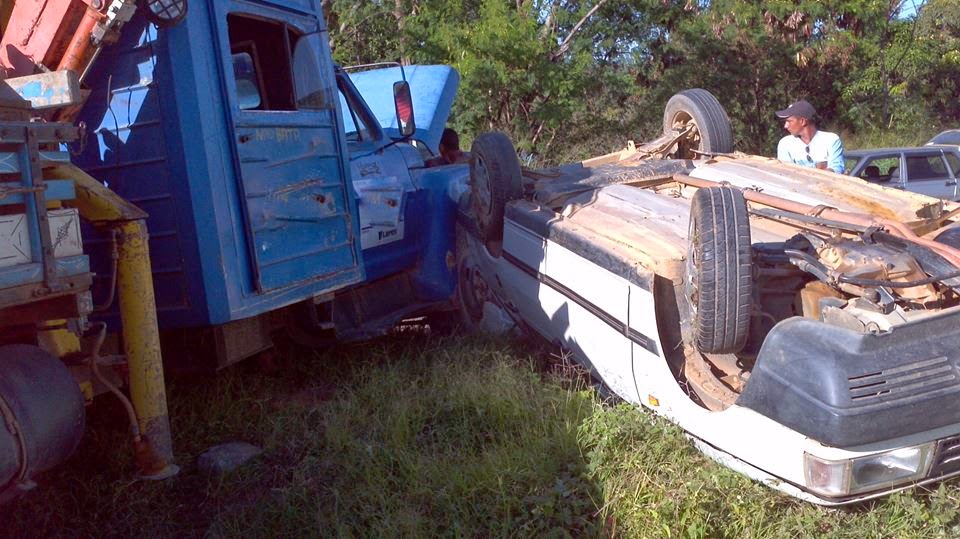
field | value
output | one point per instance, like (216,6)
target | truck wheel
(718,281)
(699,109)
(495,179)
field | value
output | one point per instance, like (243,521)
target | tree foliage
(568,78)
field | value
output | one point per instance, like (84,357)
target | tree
(937,75)
(568,78)
(527,66)
(365,31)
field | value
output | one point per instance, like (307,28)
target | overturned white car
(801,326)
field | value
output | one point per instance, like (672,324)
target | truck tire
(711,133)
(718,281)
(495,179)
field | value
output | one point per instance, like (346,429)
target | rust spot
(149,462)
(287,189)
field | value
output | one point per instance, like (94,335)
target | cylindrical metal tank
(41,415)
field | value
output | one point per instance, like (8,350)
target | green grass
(887,138)
(414,436)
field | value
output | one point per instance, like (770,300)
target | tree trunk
(399,16)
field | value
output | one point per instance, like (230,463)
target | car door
(953,164)
(927,173)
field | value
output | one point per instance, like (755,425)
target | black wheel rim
(692,141)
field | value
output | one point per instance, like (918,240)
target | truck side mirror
(404,104)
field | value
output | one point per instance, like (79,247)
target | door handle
(950,183)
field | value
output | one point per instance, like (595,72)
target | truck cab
(224,181)
(271,184)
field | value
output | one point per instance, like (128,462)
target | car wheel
(471,288)
(710,127)
(718,281)
(495,179)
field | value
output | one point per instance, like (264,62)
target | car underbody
(801,326)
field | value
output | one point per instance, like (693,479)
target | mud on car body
(800,326)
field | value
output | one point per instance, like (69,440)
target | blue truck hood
(432,87)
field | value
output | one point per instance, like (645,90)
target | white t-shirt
(824,146)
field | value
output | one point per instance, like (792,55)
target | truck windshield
(353,123)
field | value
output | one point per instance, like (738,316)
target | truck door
(300,217)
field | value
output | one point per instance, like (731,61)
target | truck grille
(948,457)
(902,381)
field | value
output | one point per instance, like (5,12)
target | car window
(850,162)
(954,162)
(248,88)
(926,167)
(261,63)
(879,168)
(311,90)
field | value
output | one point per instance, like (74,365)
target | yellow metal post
(141,344)
(138,315)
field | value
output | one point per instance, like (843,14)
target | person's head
(798,117)
(449,144)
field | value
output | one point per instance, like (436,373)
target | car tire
(712,132)
(470,289)
(495,179)
(718,281)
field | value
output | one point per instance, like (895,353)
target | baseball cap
(800,108)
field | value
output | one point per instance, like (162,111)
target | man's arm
(782,153)
(835,156)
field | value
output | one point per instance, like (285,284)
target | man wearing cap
(806,145)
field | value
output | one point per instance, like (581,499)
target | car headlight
(851,476)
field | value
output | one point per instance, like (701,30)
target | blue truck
(272,190)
